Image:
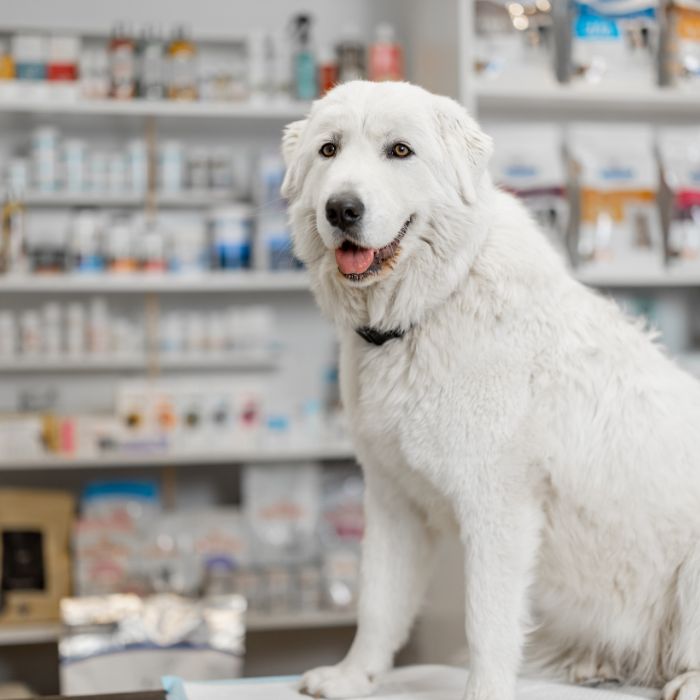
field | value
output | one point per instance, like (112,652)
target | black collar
(377,337)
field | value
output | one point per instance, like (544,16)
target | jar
(29,53)
(64,53)
(230,229)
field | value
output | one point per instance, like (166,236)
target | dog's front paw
(341,681)
(684,687)
(483,689)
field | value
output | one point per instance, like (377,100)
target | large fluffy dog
(488,391)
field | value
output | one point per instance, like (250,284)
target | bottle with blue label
(304,59)
(231,234)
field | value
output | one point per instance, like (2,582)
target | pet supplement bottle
(385,55)
(182,61)
(305,85)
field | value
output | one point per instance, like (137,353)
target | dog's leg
(501,537)
(686,643)
(396,562)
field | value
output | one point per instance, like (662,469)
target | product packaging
(282,506)
(305,73)
(35,533)
(123,643)
(684,39)
(341,529)
(182,66)
(528,161)
(514,41)
(230,233)
(385,55)
(615,42)
(29,54)
(619,223)
(679,152)
(122,64)
(117,518)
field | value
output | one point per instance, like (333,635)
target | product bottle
(304,61)
(182,61)
(327,70)
(385,55)
(122,64)
(151,58)
(13,251)
(351,56)
(7,65)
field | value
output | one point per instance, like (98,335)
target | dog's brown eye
(328,150)
(400,150)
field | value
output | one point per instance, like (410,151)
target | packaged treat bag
(124,643)
(619,222)
(684,40)
(679,151)
(282,506)
(615,42)
(528,161)
(514,41)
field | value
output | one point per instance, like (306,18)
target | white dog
(488,391)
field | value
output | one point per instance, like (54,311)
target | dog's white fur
(520,408)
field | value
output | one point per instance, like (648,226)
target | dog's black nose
(344,210)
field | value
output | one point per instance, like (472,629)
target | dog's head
(371,174)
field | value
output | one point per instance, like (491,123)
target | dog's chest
(392,401)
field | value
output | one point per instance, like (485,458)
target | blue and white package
(615,41)
(231,234)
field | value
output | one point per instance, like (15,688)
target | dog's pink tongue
(354,261)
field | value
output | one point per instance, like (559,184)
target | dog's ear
(468,147)
(290,142)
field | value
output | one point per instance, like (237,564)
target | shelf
(271,111)
(257,622)
(31,633)
(322,451)
(182,201)
(117,363)
(631,278)
(139,283)
(49,633)
(580,100)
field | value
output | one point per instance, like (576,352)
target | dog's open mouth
(357,263)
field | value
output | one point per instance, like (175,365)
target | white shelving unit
(268,111)
(118,363)
(321,450)
(49,633)
(585,101)
(155,283)
(186,199)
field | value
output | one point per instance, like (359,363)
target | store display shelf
(585,99)
(259,622)
(272,111)
(31,633)
(115,363)
(49,633)
(69,199)
(137,283)
(630,278)
(324,450)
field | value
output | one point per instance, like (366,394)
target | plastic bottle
(350,52)
(7,64)
(182,61)
(151,83)
(304,60)
(327,70)
(385,55)
(122,60)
